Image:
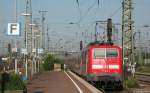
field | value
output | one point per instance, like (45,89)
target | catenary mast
(127,31)
(28,27)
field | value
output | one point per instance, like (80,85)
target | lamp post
(35,35)
(36,53)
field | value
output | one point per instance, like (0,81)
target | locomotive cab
(104,65)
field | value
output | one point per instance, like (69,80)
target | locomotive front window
(111,53)
(98,53)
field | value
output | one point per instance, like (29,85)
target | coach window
(98,53)
(111,53)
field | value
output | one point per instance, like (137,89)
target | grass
(14,91)
(131,83)
(145,68)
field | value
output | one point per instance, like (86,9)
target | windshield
(111,53)
(98,53)
(103,53)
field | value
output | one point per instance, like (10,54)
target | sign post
(14,30)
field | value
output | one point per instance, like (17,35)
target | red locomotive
(99,63)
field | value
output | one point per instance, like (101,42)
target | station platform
(59,82)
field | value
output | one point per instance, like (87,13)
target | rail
(143,77)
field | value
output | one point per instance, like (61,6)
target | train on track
(99,63)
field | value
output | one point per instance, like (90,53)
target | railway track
(143,78)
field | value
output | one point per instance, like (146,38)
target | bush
(145,68)
(49,61)
(60,61)
(14,83)
(131,83)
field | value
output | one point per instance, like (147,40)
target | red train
(99,63)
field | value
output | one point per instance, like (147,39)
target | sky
(62,12)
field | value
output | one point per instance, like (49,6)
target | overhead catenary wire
(77,1)
(115,12)
(88,10)
(86,13)
(82,17)
(80,12)
(98,3)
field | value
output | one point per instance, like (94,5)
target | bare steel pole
(96,31)
(43,12)
(15,11)
(48,39)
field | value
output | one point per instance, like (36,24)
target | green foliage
(14,83)
(139,59)
(145,68)
(131,83)
(0,80)
(49,61)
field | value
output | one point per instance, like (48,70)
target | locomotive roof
(99,43)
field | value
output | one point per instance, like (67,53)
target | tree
(50,60)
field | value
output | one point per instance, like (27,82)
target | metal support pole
(43,30)
(35,65)
(127,32)
(15,6)
(16,68)
(96,31)
(26,66)
(32,66)
(38,65)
